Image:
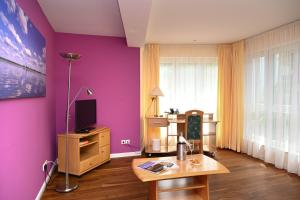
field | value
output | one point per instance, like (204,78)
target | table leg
(203,192)
(153,193)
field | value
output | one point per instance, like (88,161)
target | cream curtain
(272,97)
(230,96)
(188,77)
(189,83)
(224,97)
(149,79)
(237,101)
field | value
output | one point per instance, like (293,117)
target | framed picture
(22,54)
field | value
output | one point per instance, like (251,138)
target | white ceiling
(92,17)
(216,21)
(170,21)
(135,20)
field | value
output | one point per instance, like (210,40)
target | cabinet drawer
(158,122)
(104,138)
(89,163)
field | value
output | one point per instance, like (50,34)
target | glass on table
(191,147)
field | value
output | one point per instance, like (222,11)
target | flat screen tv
(85,115)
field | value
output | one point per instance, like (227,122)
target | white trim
(125,154)
(40,194)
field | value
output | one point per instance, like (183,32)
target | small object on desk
(156,144)
(171,111)
(168,164)
(146,165)
(157,166)
(181,151)
(195,162)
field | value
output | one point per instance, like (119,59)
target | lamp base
(62,187)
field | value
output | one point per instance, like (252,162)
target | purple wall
(111,69)
(27,127)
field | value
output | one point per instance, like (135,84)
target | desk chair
(194,128)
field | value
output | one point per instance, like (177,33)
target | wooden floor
(249,179)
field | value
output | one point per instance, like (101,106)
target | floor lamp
(67,186)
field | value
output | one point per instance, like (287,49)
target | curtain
(230,96)
(237,101)
(272,97)
(149,80)
(189,83)
(224,97)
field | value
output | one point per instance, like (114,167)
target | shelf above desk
(179,121)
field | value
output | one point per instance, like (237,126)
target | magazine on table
(157,166)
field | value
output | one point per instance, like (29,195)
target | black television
(85,115)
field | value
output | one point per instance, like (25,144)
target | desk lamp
(155,93)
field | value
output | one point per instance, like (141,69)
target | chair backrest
(194,127)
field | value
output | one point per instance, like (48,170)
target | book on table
(157,166)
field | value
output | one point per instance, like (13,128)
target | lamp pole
(67,187)
(67,127)
(156,106)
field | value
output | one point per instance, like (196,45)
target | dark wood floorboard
(250,179)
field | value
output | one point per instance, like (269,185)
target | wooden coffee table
(186,182)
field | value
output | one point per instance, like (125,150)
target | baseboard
(125,154)
(40,194)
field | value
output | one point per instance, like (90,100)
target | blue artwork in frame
(22,54)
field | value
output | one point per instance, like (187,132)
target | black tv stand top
(85,130)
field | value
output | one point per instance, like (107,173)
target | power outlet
(44,166)
(125,141)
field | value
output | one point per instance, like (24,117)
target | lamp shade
(156,92)
(89,91)
(70,56)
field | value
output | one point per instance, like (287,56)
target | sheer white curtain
(272,97)
(189,83)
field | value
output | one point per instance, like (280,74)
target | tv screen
(85,115)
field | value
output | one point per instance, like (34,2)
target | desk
(187,181)
(209,138)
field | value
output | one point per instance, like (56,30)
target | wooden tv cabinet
(86,151)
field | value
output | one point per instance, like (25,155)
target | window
(272,95)
(188,83)
(271,128)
